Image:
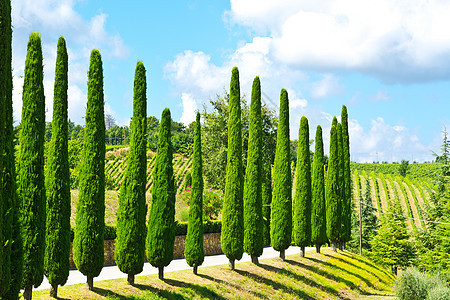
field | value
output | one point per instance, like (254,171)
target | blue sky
(387,61)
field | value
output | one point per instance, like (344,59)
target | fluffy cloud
(397,41)
(325,87)
(189,109)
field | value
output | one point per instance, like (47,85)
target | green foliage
(57,251)
(212,202)
(31,185)
(132,212)
(88,251)
(281,214)
(266,200)
(347,195)
(341,183)
(161,222)
(232,237)
(318,207)
(332,192)
(302,200)
(414,284)
(253,225)
(403,168)
(193,250)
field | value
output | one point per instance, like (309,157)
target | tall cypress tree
(31,167)
(253,225)
(281,214)
(266,200)
(346,204)
(193,250)
(232,237)
(5,96)
(302,199)
(161,222)
(88,243)
(332,192)
(57,251)
(318,207)
(131,216)
(341,184)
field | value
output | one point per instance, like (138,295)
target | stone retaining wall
(211,246)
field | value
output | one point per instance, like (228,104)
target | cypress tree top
(88,251)
(302,201)
(281,210)
(232,236)
(58,179)
(161,222)
(253,239)
(31,186)
(131,216)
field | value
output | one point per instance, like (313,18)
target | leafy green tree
(193,250)
(347,197)
(318,206)
(132,212)
(57,251)
(253,225)
(161,222)
(403,168)
(281,209)
(31,185)
(88,243)
(302,200)
(266,200)
(332,192)
(232,237)
(341,184)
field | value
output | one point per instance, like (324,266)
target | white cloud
(328,85)
(396,40)
(381,95)
(189,109)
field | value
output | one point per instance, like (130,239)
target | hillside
(318,276)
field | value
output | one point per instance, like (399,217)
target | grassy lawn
(318,276)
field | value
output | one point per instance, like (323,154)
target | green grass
(318,276)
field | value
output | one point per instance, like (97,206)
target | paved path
(113,272)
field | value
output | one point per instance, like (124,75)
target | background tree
(132,212)
(109,121)
(88,243)
(232,237)
(318,207)
(403,168)
(281,210)
(332,192)
(161,222)
(31,186)
(253,221)
(302,200)
(193,250)
(57,250)
(347,199)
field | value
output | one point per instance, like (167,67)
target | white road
(113,272)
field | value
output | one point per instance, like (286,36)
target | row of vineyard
(115,166)
(412,192)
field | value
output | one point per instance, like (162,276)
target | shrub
(414,284)
(212,202)
(439,293)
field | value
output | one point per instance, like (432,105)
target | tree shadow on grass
(221,282)
(369,264)
(198,290)
(107,293)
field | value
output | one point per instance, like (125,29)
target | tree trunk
(54,291)
(302,251)
(231,264)
(394,270)
(318,248)
(195,270)
(130,279)
(90,283)
(255,260)
(282,255)
(161,273)
(28,293)
(334,246)
(341,246)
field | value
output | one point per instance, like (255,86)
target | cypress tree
(88,243)
(341,184)
(253,225)
(346,204)
(302,199)
(281,214)
(266,200)
(193,250)
(332,193)
(31,167)
(6,194)
(131,216)
(57,251)
(161,222)
(232,237)
(318,208)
